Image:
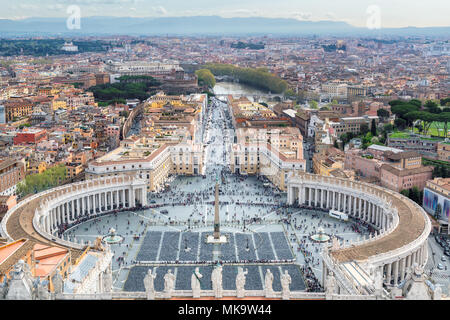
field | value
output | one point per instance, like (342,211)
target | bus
(338,215)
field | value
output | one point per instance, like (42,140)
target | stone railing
(341,276)
(186,294)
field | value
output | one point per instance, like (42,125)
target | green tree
(401,110)
(431,105)
(313,104)
(373,128)
(414,194)
(383,113)
(388,128)
(416,102)
(400,123)
(364,128)
(42,181)
(205,77)
(258,77)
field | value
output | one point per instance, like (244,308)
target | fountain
(112,237)
(320,236)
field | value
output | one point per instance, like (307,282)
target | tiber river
(235,88)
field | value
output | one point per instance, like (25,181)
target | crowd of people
(95,217)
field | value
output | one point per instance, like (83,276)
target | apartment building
(426,146)
(275,153)
(11,173)
(149,159)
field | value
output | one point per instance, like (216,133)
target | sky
(391,13)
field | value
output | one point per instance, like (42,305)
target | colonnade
(74,205)
(349,202)
(395,272)
(373,205)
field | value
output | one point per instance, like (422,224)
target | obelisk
(216,212)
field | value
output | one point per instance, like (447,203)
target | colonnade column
(388,273)
(395,272)
(402,269)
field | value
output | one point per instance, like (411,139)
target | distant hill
(196,25)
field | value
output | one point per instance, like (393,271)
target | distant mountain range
(201,25)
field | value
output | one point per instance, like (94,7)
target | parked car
(440,266)
(443,259)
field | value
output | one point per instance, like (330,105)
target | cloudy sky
(393,13)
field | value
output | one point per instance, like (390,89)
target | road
(218,137)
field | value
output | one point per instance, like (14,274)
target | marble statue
(240,282)
(169,283)
(285,282)
(268,281)
(437,293)
(21,284)
(331,284)
(57,283)
(335,243)
(107,280)
(3,288)
(195,283)
(149,284)
(378,279)
(216,278)
(41,290)
(415,287)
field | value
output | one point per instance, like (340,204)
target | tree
(445,102)
(364,128)
(444,117)
(388,127)
(205,77)
(405,192)
(383,113)
(290,93)
(373,128)
(400,123)
(419,127)
(313,104)
(416,102)
(401,110)
(414,194)
(42,181)
(258,77)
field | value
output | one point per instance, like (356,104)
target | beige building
(443,151)
(275,153)
(352,124)
(149,159)
(335,89)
